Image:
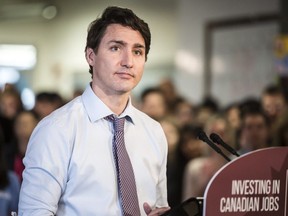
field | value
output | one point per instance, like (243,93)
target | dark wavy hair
(116,15)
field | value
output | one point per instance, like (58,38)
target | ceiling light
(49,12)
(21,57)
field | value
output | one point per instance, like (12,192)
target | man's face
(273,105)
(154,105)
(119,62)
(255,132)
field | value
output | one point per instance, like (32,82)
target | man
(153,103)
(273,103)
(275,107)
(254,131)
(69,165)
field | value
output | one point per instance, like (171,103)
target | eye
(114,48)
(138,52)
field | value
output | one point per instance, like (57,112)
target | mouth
(124,75)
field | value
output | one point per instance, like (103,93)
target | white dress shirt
(70,166)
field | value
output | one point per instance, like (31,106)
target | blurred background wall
(241,61)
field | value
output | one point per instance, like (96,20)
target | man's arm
(45,174)
(39,193)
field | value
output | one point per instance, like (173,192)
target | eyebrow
(137,45)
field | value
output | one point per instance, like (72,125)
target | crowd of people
(245,125)
(16,126)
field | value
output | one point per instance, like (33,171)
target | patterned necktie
(125,174)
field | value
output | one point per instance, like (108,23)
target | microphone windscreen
(201,135)
(214,137)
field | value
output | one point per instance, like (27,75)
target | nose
(127,59)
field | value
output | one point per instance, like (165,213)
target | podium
(254,184)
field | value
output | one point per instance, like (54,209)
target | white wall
(193,14)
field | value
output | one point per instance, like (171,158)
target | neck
(116,102)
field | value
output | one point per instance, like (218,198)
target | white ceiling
(21,9)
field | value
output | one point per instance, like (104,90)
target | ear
(90,55)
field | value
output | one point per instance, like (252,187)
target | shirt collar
(96,109)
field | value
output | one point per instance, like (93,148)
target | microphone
(217,139)
(202,136)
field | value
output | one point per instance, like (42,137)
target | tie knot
(118,123)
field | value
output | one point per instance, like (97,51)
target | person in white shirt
(69,164)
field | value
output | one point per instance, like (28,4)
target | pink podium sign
(255,184)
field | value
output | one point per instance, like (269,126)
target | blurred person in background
(25,123)
(200,170)
(10,102)
(183,113)
(170,93)
(275,106)
(9,185)
(190,148)
(254,130)
(281,136)
(273,103)
(46,103)
(174,171)
(205,110)
(153,103)
(10,106)
(232,114)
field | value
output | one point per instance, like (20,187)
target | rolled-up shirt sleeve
(45,175)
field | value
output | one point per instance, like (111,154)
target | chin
(126,88)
